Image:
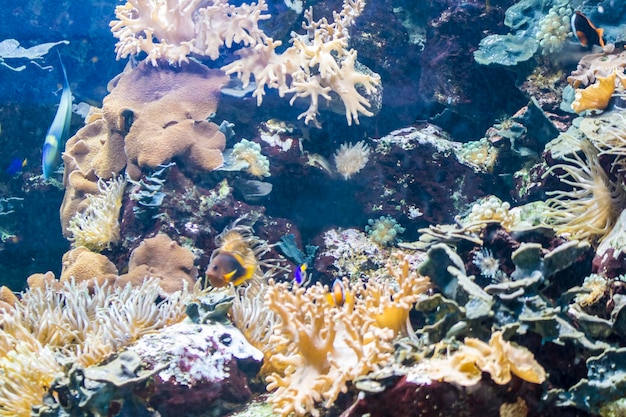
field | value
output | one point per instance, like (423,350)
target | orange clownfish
(229,267)
(585,31)
(338,295)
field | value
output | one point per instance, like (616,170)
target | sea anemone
(98,227)
(590,209)
(350,159)
(488,265)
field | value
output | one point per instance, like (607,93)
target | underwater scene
(325,208)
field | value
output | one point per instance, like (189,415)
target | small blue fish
(59,130)
(15,166)
(299,275)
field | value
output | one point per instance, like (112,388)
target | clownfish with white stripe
(587,34)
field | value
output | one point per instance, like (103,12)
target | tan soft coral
(163,113)
(390,301)
(160,257)
(499,358)
(321,347)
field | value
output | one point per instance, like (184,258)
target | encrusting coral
(161,257)
(80,264)
(162,113)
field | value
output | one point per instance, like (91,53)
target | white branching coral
(350,159)
(317,63)
(173,29)
(97,227)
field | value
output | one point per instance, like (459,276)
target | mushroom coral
(596,96)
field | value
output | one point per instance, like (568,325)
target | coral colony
(338,272)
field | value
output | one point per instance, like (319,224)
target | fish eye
(215,267)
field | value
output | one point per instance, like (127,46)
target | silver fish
(59,130)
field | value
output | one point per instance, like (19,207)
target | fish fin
(249,272)
(229,275)
(600,35)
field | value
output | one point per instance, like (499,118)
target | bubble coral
(249,154)
(554,29)
(384,230)
(480,154)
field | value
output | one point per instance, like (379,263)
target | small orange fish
(585,31)
(229,268)
(338,295)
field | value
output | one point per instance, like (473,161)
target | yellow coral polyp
(596,96)
(389,303)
